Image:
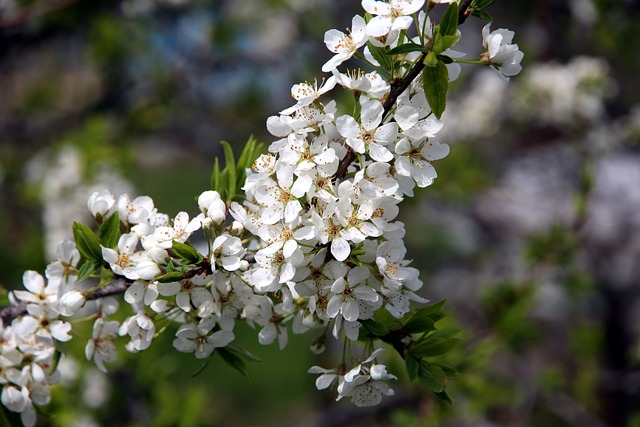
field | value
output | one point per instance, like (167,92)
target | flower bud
(71,302)
(236,228)
(100,203)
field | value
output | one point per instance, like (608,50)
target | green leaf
(421,321)
(444,396)
(448,41)
(233,360)
(436,83)
(243,353)
(434,311)
(449,24)
(215,176)
(482,15)
(435,344)
(87,269)
(412,366)
(380,55)
(230,170)
(482,4)
(173,276)
(375,328)
(4,297)
(431,60)
(186,252)
(449,371)
(385,318)
(87,242)
(432,376)
(407,48)
(110,231)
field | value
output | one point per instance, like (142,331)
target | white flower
(275,266)
(129,263)
(344,46)
(200,340)
(140,210)
(190,293)
(369,136)
(415,159)
(501,54)
(101,347)
(228,252)
(140,329)
(390,15)
(141,291)
(306,93)
(280,200)
(212,206)
(348,291)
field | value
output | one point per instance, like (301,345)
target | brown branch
(399,86)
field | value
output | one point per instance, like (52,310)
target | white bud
(100,203)
(236,228)
(71,302)
(244,265)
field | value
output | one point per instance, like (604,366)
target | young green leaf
(380,55)
(407,48)
(444,396)
(482,15)
(186,252)
(87,269)
(421,321)
(435,344)
(432,376)
(87,242)
(110,231)
(449,24)
(482,4)
(215,176)
(431,60)
(230,169)
(234,361)
(173,276)
(375,328)
(412,366)
(436,84)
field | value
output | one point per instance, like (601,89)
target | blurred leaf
(412,366)
(482,15)
(435,344)
(432,376)
(375,328)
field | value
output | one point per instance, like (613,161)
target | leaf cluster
(417,339)
(229,181)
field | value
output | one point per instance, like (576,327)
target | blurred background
(531,232)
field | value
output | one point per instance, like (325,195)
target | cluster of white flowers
(314,246)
